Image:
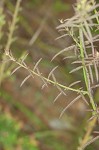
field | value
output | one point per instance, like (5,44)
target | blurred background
(29,120)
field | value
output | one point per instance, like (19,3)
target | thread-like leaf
(69,57)
(40,75)
(15,70)
(76,69)
(84,99)
(24,57)
(64,35)
(59,88)
(36,65)
(95,86)
(25,79)
(96,71)
(74,83)
(70,104)
(52,71)
(64,50)
(57,97)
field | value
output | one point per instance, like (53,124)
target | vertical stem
(92,123)
(9,41)
(89,129)
(85,71)
(12,27)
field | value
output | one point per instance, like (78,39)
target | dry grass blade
(25,79)
(70,104)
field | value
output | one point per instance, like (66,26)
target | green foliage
(2,18)
(59,6)
(8,131)
(11,135)
(90,147)
(28,113)
(2,22)
(49,139)
(34,3)
(28,145)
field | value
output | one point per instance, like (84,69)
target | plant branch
(10,40)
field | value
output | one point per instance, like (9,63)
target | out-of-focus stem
(10,40)
(87,135)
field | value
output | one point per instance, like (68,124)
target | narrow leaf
(70,104)
(15,70)
(36,65)
(52,71)
(64,50)
(25,80)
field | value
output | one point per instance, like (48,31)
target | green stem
(44,78)
(85,71)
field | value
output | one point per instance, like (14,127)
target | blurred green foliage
(59,6)
(30,115)
(34,3)
(11,135)
(8,131)
(2,18)
(2,22)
